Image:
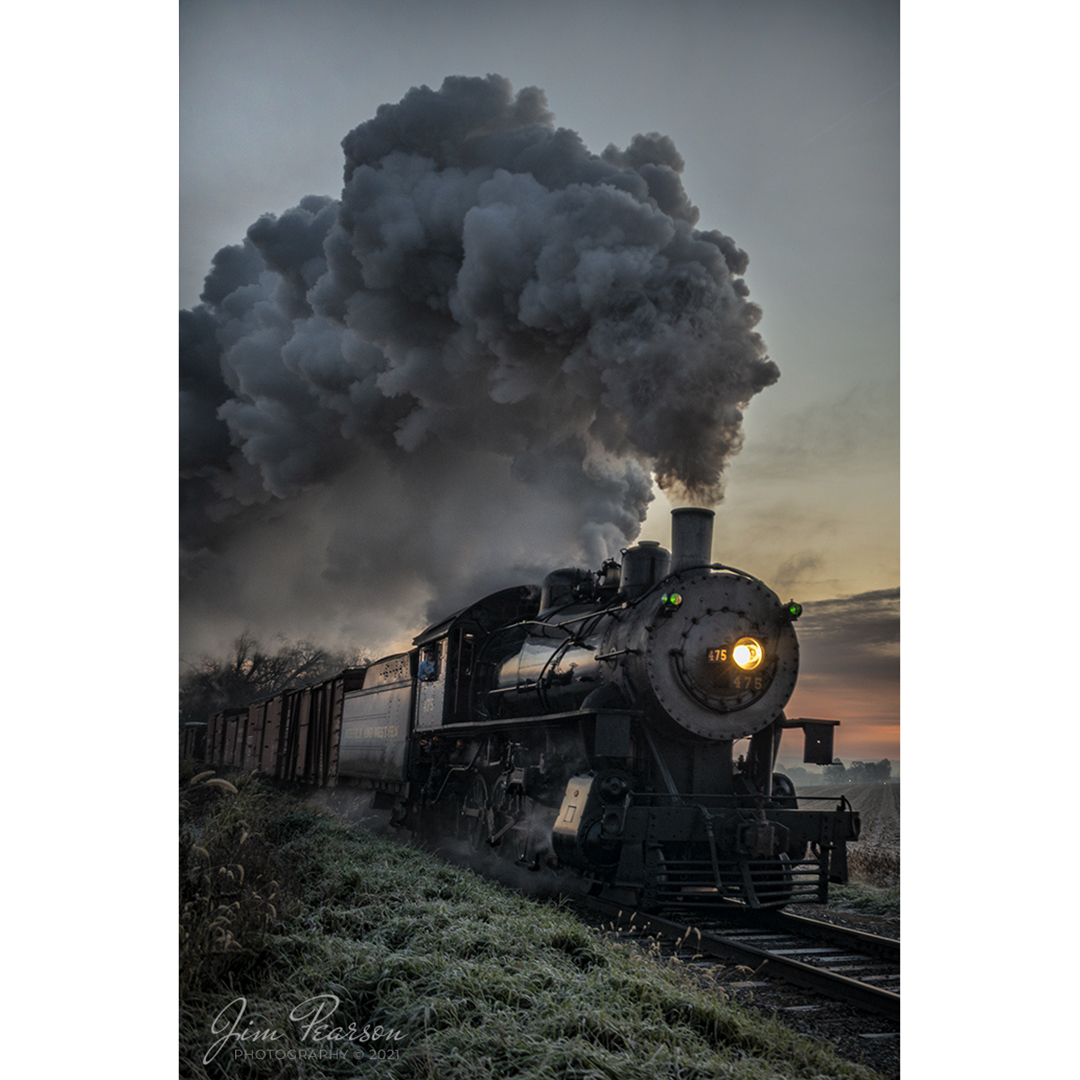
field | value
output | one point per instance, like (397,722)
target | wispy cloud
(853,636)
(857,430)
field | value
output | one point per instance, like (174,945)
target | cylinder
(691,538)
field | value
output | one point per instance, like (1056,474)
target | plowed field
(875,857)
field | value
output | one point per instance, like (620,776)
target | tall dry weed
(228,879)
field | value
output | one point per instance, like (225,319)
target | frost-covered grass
(283,904)
(869,899)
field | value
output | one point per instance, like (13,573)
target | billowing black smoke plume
(468,367)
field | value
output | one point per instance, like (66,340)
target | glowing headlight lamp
(747,653)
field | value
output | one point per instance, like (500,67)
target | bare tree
(250,673)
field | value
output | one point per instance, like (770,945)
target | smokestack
(691,538)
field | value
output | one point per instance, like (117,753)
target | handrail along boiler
(591,724)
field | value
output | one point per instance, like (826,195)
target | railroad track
(851,966)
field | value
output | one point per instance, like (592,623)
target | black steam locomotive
(589,724)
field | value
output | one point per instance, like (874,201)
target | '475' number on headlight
(747,682)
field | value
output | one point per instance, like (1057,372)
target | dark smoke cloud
(853,636)
(469,365)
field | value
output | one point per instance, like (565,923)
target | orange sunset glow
(869,716)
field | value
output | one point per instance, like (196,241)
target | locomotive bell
(691,538)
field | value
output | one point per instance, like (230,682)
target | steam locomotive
(587,725)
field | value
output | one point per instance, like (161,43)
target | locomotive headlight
(747,653)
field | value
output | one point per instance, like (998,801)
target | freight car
(589,725)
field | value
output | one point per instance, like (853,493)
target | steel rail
(820,980)
(884,948)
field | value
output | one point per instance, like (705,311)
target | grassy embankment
(866,899)
(282,903)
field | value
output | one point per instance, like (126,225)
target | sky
(786,118)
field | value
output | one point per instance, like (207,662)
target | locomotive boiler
(590,725)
